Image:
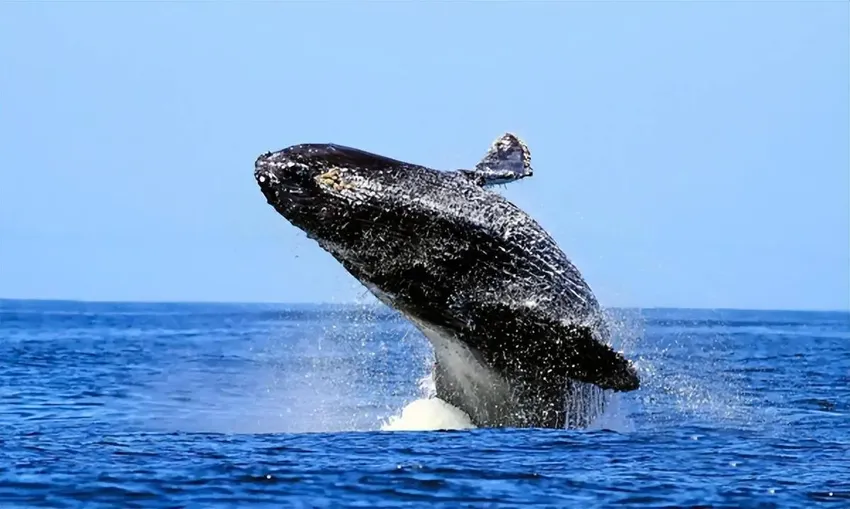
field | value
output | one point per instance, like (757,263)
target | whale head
(317,187)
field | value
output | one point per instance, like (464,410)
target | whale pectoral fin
(588,360)
(507,160)
(546,350)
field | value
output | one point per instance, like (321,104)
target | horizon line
(380,304)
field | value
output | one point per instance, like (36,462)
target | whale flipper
(506,387)
(507,160)
(574,350)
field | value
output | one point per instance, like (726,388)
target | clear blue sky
(686,154)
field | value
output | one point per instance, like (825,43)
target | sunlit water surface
(195,405)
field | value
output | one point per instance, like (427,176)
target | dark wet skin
(447,252)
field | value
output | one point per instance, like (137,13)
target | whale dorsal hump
(507,160)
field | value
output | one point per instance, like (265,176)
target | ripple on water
(189,405)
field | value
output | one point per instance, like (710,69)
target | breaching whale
(516,331)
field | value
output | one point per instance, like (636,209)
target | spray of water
(679,382)
(351,372)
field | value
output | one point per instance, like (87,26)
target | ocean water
(199,405)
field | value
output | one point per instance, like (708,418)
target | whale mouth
(278,190)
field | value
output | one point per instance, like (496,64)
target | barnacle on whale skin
(332,178)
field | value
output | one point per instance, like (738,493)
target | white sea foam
(428,414)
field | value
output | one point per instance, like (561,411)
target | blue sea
(219,405)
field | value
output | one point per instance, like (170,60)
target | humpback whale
(516,331)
